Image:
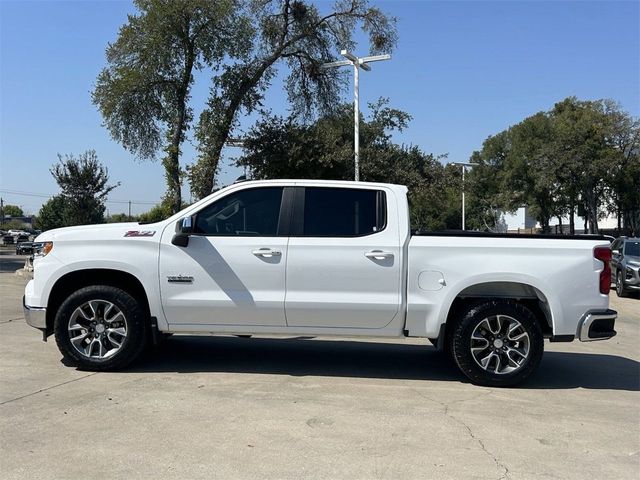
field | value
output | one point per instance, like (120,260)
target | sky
(464,70)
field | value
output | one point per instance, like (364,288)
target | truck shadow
(357,359)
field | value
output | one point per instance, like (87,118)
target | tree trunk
(203,175)
(619,216)
(171,162)
(572,222)
(560,224)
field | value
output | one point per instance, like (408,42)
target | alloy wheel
(500,344)
(97,329)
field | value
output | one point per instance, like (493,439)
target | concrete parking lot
(221,407)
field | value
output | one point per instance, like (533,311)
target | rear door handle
(378,254)
(266,252)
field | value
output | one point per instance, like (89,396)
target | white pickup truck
(305,257)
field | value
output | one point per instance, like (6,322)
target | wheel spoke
(484,362)
(498,323)
(116,317)
(116,336)
(80,337)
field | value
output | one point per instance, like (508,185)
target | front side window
(342,212)
(253,212)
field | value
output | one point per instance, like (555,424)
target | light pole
(357,63)
(464,167)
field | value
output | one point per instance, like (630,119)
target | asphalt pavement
(302,408)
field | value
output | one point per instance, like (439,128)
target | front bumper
(597,325)
(35,316)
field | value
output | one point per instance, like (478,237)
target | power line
(46,195)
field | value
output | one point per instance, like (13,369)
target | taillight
(604,255)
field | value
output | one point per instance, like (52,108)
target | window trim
(284,216)
(297,214)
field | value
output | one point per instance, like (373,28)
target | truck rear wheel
(497,343)
(100,328)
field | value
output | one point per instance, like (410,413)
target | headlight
(42,249)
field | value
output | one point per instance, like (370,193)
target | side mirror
(184,228)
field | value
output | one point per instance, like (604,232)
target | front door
(343,266)
(232,272)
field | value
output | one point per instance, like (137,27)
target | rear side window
(343,212)
(253,212)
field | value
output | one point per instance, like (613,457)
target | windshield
(632,248)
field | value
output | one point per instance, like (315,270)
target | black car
(625,265)
(25,248)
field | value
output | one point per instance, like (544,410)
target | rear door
(343,267)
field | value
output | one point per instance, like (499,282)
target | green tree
(53,213)
(84,185)
(12,211)
(624,174)
(120,218)
(143,94)
(157,213)
(296,34)
(284,148)
(578,154)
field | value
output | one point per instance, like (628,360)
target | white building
(522,222)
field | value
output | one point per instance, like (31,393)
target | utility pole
(1,211)
(129,210)
(358,63)
(464,167)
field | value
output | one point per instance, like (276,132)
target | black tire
(620,290)
(136,327)
(460,343)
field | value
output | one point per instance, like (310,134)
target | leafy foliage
(579,154)
(84,185)
(157,213)
(12,211)
(143,94)
(283,148)
(293,33)
(120,218)
(53,213)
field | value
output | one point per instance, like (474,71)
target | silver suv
(625,263)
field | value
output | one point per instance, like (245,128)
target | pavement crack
(459,421)
(49,388)
(11,320)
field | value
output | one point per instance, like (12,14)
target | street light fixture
(464,166)
(357,63)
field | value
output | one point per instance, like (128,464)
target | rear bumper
(597,325)
(35,316)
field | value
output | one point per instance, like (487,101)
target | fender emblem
(140,233)
(179,279)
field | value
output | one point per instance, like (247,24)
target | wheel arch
(73,281)
(521,292)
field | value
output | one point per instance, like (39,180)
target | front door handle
(266,252)
(379,254)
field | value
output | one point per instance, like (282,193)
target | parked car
(26,248)
(8,239)
(625,265)
(21,237)
(318,258)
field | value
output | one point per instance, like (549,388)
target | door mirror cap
(184,228)
(185,225)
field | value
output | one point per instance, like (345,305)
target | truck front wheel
(497,343)
(100,328)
